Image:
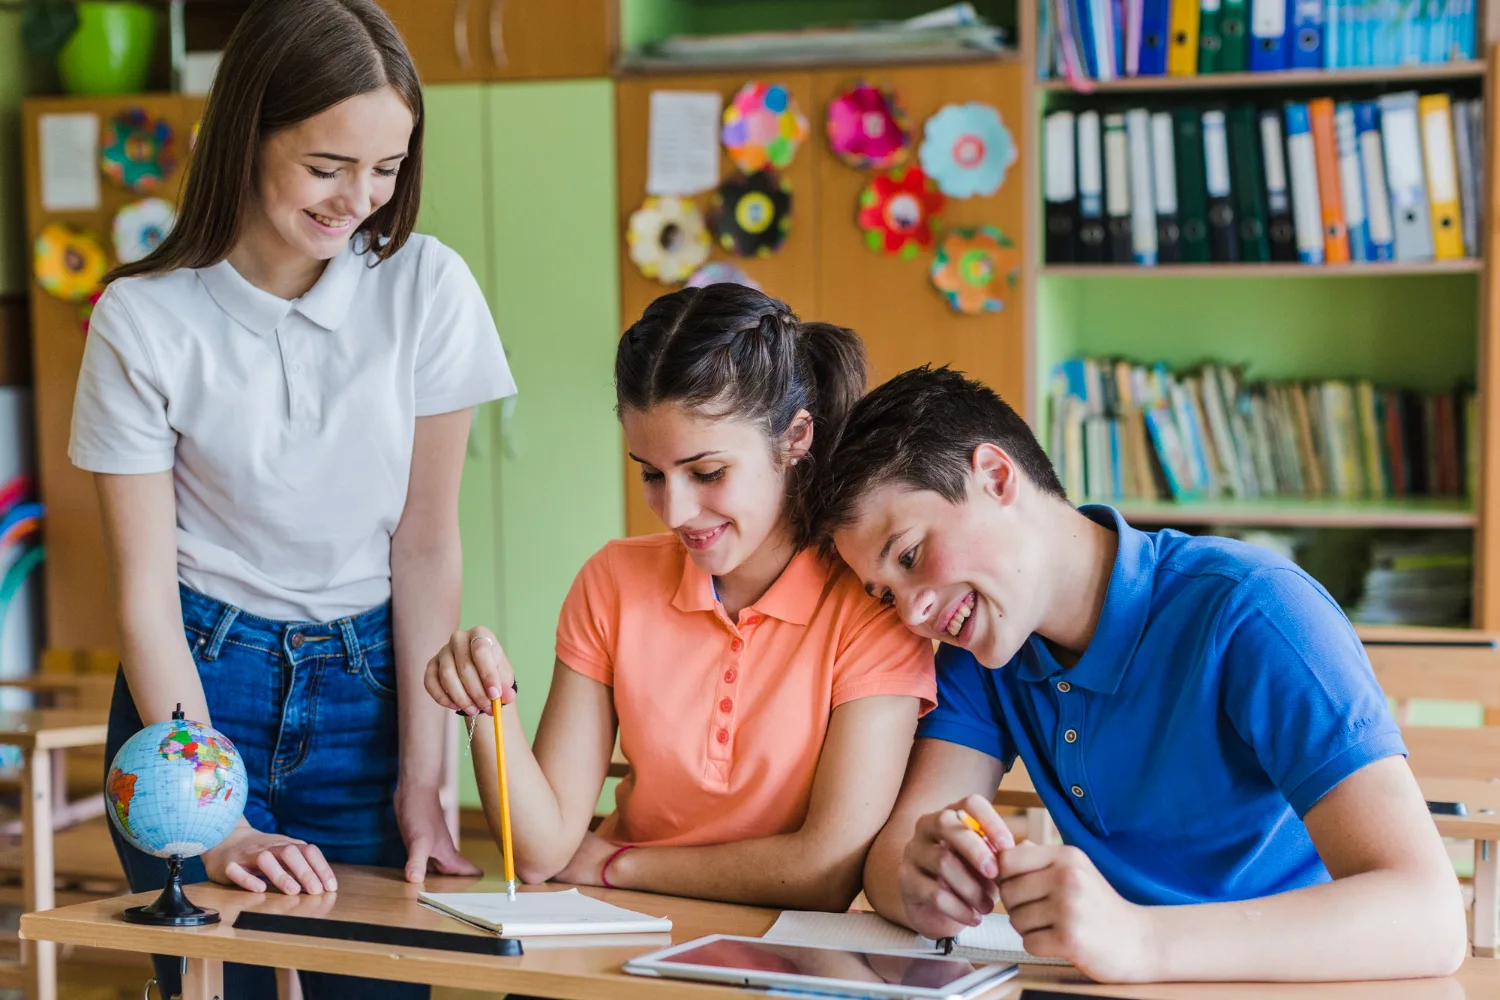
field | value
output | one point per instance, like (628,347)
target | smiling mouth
(702,539)
(960,615)
(328,221)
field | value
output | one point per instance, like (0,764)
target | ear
(994,473)
(797,439)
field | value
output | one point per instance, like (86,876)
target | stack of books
(1316,182)
(1124,431)
(1419,579)
(1107,39)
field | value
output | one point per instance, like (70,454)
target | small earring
(794,461)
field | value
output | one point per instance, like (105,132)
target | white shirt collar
(260,312)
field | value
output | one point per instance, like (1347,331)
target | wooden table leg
(203,980)
(38,957)
(1486,899)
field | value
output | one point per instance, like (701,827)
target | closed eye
(710,477)
(323,174)
(650,475)
(386,171)
(908,558)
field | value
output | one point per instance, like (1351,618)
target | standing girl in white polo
(276,404)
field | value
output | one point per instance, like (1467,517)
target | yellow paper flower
(69,264)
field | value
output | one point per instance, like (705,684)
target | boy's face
(964,573)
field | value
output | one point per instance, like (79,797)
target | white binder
(1401,141)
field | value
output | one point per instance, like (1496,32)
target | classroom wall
(13,86)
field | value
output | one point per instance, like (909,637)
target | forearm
(1376,925)
(802,870)
(426,587)
(543,838)
(155,657)
(881,870)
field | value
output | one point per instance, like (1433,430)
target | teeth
(330,223)
(959,617)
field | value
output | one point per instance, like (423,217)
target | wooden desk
(42,735)
(570,973)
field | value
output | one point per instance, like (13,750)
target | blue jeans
(312,710)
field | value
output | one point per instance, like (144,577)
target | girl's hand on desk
(424,829)
(251,859)
(587,866)
(1063,908)
(470,672)
(948,872)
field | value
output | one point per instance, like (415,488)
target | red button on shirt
(725,706)
(737,645)
(730,676)
(723,736)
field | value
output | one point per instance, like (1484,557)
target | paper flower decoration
(140,227)
(867,128)
(973,267)
(897,211)
(667,239)
(68,263)
(138,153)
(717,272)
(763,127)
(752,215)
(967,149)
(86,309)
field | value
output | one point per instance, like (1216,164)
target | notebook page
(996,939)
(845,930)
(533,914)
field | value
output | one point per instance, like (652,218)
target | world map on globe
(176,788)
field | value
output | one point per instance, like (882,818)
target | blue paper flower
(967,149)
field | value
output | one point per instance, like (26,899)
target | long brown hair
(735,352)
(287,61)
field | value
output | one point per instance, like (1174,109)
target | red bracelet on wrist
(604,869)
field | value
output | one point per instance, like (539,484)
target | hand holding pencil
(470,673)
(950,870)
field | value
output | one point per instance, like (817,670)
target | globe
(176,788)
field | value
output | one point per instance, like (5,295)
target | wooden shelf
(1434,72)
(1289,513)
(628,64)
(1388,269)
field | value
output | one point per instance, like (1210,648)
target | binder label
(1216,154)
(1442,180)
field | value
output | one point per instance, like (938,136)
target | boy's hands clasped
(470,672)
(1059,903)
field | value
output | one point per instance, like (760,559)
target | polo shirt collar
(260,312)
(790,599)
(1127,607)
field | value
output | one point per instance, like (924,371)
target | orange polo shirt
(723,721)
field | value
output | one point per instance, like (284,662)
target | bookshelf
(1430,329)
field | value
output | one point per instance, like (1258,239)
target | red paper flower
(898,212)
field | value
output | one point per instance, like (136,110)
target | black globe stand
(172,908)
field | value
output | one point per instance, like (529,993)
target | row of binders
(1316,182)
(1107,39)
(1123,431)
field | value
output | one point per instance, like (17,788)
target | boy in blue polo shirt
(1197,714)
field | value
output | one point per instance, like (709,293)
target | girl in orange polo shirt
(766,704)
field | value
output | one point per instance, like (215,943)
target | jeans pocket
(379,672)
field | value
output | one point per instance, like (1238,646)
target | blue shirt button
(1077,791)
(1064,686)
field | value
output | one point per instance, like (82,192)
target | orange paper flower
(973,267)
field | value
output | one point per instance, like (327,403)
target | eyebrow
(870,587)
(681,461)
(350,159)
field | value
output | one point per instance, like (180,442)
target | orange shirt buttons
(737,645)
(730,676)
(726,706)
(723,736)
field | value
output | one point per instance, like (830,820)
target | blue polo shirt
(1222,695)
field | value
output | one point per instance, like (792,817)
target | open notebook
(536,914)
(994,940)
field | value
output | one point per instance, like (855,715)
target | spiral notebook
(994,940)
(537,914)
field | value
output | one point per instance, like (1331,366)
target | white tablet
(844,972)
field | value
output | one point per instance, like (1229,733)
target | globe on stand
(175,790)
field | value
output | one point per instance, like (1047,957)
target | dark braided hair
(731,351)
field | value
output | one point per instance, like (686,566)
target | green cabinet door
(554,277)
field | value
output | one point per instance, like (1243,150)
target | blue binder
(1268,21)
(1378,216)
(1307,29)
(1153,57)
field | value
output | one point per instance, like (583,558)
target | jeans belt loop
(351,645)
(227,615)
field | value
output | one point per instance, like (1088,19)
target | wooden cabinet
(824,270)
(475,40)
(518,180)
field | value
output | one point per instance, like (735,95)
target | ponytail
(741,353)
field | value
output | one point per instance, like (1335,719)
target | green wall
(13,85)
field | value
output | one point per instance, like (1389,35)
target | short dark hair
(286,61)
(732,351)
(920,429)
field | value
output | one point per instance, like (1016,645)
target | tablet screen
(825,963)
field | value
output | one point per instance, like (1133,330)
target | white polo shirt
(287,425)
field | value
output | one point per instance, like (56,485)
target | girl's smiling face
(715,481)
(318,180)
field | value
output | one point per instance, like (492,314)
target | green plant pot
(111,51)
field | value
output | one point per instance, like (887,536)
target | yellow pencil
(972,824)
(506,850)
